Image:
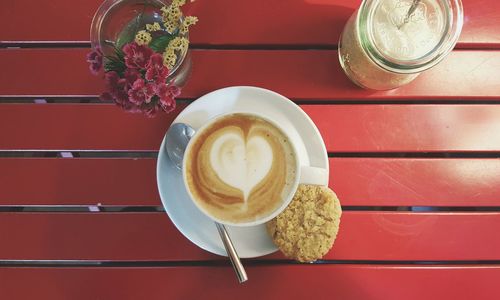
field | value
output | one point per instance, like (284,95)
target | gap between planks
(225,263)
(154,209)
(85,99)
(71,153)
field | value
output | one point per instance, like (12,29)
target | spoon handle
(412,9)
(231,252)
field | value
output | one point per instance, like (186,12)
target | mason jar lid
(407,36)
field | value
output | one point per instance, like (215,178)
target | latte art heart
(239,163)
(240,168)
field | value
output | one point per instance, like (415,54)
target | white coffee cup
(304,174)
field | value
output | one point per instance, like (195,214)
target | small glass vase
(116,23)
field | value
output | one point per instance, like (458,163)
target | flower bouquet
(143,48)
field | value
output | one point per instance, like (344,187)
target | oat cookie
(306,229)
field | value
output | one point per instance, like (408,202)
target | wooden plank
(86,181)
(314,22)
(416,182)
(407,128)
(357,181)
(344,282)
(345,128)
(63,129)
(152,237)
(297,74)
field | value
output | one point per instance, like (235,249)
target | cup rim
(277,211)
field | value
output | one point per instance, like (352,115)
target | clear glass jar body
(381,48)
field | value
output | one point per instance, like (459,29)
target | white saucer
(192,223)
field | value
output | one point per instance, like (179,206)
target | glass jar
(388,43)
(116,22)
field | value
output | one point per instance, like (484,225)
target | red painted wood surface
(416,182)
(344,282)
(59,127)
(74,181)
(298,74)
(345,128)
(258,22)
(357,181)
(151,237)
(407,128)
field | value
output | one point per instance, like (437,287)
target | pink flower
(130,107)
(94,58)
(111,79)
(141,92)
(167,96)
(156,71)
(137,56)
(131,75)
(116,87)
(151,112)
(121,92)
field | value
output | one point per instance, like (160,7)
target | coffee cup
(242,169)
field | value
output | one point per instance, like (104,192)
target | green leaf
(124,39)
(119,54)
(127,34)
(114,64)
(160,43)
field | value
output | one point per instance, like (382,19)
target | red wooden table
(417,169)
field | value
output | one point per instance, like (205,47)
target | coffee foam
(240,164)
(240,168)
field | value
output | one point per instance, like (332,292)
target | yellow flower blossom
(171,26)
(169,58)
(171,16)
(171,13)
(178,3)
(188,21)
(153,27)
(143,37)
(180,44)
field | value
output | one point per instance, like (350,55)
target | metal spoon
(178,137)
(412,9)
